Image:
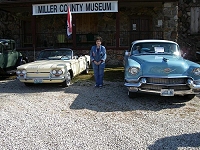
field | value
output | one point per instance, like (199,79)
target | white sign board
(159,49)
(75,7)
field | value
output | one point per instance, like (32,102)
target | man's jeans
(98,75)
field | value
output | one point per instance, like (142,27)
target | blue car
(156,66)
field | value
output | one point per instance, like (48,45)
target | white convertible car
(53,66)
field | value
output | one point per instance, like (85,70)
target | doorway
(141,28)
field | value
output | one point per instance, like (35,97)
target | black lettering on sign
(55,8)
(47,9)
(65,7)
(61,8)
(50,9)
(81,7)
(98,6)
(40,10)
(73,7)
(87,7)
(108,6)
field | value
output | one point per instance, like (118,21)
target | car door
(81,63)
(10,55)
(75,66)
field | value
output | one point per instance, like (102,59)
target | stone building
(128,21)
(189,28)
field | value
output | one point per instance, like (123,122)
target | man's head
(138,48)
(98,41)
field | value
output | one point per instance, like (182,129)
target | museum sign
(75,7)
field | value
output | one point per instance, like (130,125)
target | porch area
(83,40)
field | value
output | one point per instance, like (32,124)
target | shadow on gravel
(175,142)
(113,97)
(15,86)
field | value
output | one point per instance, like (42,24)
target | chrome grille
(159,87)
(38,75)
(167,80)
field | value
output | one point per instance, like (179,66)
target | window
(195,20)
(156,48)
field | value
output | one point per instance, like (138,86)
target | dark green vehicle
(9,57)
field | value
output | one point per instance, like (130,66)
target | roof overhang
(21,5)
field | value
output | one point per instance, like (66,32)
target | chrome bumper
(136,87)
(44,80)
(185,92)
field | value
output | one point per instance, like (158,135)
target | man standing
(98,57)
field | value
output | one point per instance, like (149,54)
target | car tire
(67,82)
(132,94)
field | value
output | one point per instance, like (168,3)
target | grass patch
(114,74)
(110,74)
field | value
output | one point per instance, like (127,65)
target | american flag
(69,22)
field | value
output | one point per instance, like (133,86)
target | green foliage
(110,74)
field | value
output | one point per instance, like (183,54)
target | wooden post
(74,31)
(33,29)
(117,30)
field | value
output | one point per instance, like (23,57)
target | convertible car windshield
(155,48)
(55,55)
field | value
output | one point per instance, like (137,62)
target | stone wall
(10,26)
(188,42)
(170,14)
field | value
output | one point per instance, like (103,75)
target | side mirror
(127,53)
(184,55)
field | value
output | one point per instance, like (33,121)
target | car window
(55,55)
(155,48)
(8,46)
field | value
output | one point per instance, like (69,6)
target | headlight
(18,72)
(54,72)
(24,71)
(57,72)
(196,71)
(133,70)
(60,72)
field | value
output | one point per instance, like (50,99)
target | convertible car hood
(44,65)
(162,65)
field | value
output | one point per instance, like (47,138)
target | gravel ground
(82,117)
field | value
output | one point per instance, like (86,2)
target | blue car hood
(163,65)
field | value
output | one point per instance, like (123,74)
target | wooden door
(141,28)
(27,33)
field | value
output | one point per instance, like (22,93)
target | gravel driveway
(82,117)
